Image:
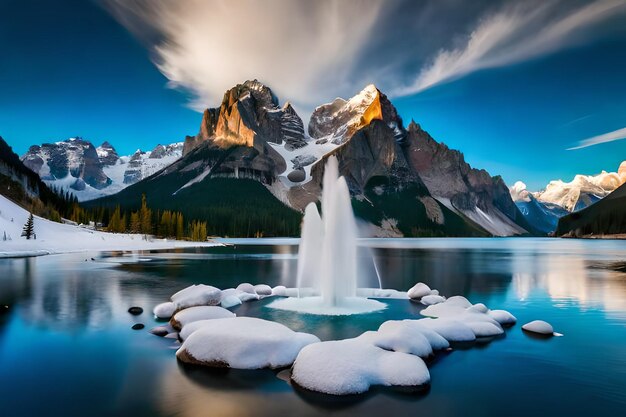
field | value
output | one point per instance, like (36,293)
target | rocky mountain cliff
(470,192)
(251,136)
(90,172)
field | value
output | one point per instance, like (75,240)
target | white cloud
(302,49)
(619,134)
(514,34)
(311,51)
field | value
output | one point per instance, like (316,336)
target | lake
(67,348)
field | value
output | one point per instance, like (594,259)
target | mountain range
(253,167)
(90,172)
(543,209)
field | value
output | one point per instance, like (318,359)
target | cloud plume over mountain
(310,51)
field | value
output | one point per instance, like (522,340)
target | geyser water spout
(327,256)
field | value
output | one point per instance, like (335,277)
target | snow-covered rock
(459,300)
(191,314)
(397,336)
(246,287)
(262,289)
(246,296)
(196,295)
(230,301)
(451,330)
(503,317)
(484,328)
(243,343)
(279,290)
(164,311)
(432,299)
(418,291)
(352,366)
(539,326)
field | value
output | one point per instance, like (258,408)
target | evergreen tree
(180,228)
(145,217)
(115,221)
(29,228)
(135,222)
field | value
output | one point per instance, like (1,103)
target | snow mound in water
(352,366)
(196,295)
(230,301)
(243,343)
(503,317)
(451,330)
(407,327)
(164,310)
(189,315)
(396,338)
(432,299)
(418,291)
(539,326)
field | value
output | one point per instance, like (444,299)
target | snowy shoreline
(58,238)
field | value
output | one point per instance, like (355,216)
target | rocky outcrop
(107,154)
(367,129)
(474,193)
(250,116)
(74,157)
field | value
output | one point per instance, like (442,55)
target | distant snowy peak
(519,192)
(89,172)
(583,190)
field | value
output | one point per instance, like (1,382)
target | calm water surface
(67,348)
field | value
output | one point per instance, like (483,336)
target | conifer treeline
(168,224)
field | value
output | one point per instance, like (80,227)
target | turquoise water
(66,347)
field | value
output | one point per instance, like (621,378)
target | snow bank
(230,301)
(243,343)
(539,326)
(164,310)
(53,237)
(189,315)
(352,366)
(197,295)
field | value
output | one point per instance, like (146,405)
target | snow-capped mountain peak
(88,172)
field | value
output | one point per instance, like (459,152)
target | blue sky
(77,67)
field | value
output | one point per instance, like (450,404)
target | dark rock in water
(160,331)
(4,309)
(138,326)
(297,175)
(135,311)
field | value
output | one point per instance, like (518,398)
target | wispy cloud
(514,34)
(302,49)
(311,51)
(619,134)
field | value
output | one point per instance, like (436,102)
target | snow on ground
(244,343)
(53,237)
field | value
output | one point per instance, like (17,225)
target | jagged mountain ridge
(251,136)
(89,172)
